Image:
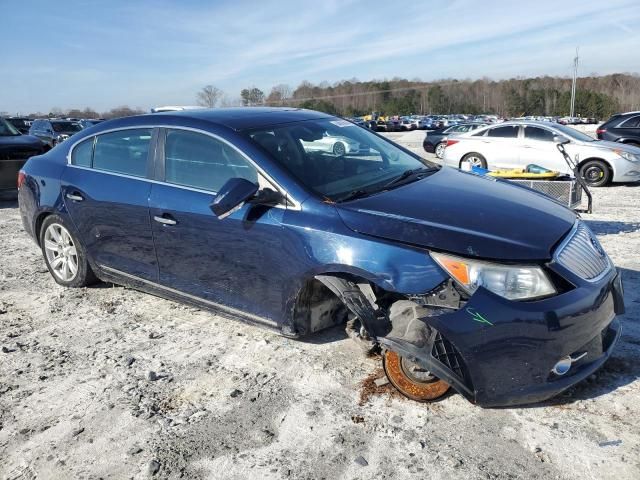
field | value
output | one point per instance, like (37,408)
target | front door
(106,194)
(238,262)
(539,148)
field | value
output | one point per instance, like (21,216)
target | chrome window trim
(564,243)
(295,205)
(226,308)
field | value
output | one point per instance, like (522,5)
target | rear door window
(196,160)
(508,131)
(125,152)
(633,122)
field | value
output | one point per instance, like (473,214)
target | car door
(501,146)
(539,148)
(106,190)
(238,262)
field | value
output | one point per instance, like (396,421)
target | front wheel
(339,149)
(595,173)
(64,255)
(412,380)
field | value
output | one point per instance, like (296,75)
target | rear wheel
(596,173)
(475,159)
(64,255)
(440,149)
(412,380)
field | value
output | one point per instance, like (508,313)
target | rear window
(83,153)
(123,152)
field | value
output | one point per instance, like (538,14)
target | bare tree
(209,96)
(279,94)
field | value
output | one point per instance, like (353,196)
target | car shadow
(600,227)
(8,203)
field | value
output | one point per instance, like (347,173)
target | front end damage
(493,351)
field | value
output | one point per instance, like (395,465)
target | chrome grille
(582,254)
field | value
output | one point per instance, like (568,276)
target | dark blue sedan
(458,280)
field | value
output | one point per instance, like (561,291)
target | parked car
(518,144)
(461,281)
(52,132)
(407,124)
(337,145)
(15,149)
(436,140)
(21,123)
(89,122)
(622,128)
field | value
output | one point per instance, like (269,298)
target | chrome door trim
(225,308)
(295,204)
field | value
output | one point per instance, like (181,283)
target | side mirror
(560,139)
(232,196)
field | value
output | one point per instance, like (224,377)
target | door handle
(164,220)
(75,197)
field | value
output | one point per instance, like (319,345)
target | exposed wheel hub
(412,380)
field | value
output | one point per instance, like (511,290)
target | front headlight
(515,282)
(632,157)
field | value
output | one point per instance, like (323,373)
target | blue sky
(102,54)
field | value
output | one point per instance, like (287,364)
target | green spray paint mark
(477,317)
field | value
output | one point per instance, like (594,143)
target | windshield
(7,130)
(573,133)
(334,157)
(65,127)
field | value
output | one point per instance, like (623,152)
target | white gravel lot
(107,382)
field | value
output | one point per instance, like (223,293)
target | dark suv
(53,132)
(622,127)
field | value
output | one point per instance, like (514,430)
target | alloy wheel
(61,252)
(440,150)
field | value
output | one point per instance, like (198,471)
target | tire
(596,173)
(339,149)
(64,255)
(475,159)
(439,150)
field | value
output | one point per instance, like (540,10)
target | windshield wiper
(354,194)
(409,176)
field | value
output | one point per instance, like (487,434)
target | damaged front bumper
(498,352)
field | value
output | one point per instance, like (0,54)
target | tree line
(597,96)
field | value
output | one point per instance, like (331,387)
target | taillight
(601,131)
(21,178)
(452,142)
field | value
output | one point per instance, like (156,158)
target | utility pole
(573,85)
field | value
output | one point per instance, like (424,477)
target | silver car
(335,145)
(518,144)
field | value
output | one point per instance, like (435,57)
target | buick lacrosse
(457,280)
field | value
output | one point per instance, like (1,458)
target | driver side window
(199,161)
(537,133)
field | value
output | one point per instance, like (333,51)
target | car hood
(465,214)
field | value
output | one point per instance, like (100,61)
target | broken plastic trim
(410,336)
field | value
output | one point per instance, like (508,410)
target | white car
(336,145)
(518,144)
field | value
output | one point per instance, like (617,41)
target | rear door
(106,191)
(238,262)
(501,146)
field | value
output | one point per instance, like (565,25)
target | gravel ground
(107,382)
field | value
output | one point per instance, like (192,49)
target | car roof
(243,118)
